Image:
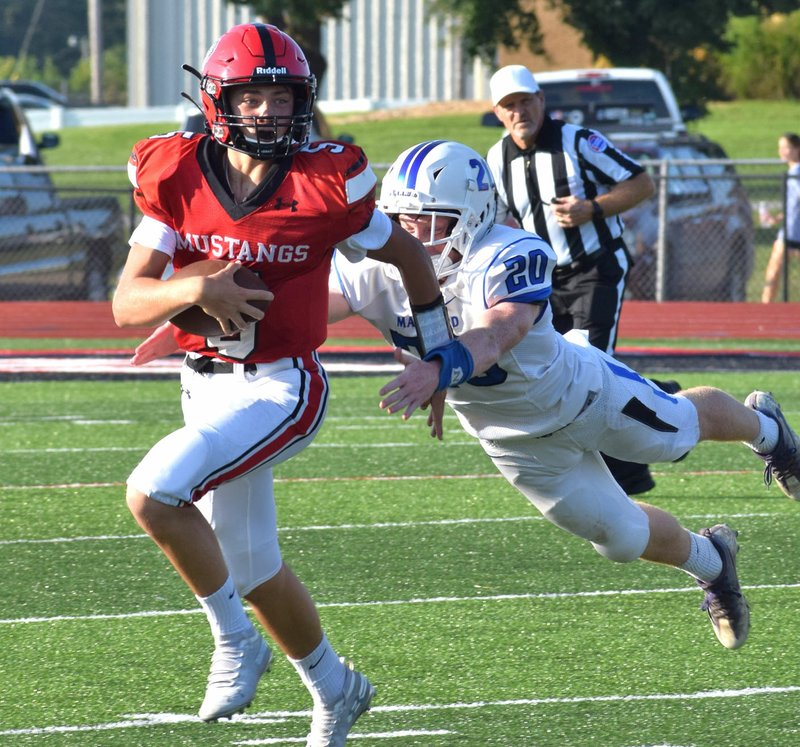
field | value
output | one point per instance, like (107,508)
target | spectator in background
(569,185)
(788,238)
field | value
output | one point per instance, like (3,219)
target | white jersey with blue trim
(537,387)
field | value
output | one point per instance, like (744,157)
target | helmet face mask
(257,54)
(447,181)
(258,134)
(440,233)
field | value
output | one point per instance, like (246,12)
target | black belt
(206,365)
(586,262)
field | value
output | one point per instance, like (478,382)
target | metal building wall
(388,52)
(382,53)
(162,35)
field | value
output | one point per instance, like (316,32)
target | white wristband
(433,326)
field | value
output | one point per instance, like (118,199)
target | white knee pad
(621,535)
(242,515)
(628,538)
(574,490)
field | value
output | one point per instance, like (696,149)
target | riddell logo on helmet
(270,71)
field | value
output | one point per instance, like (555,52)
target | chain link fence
(706,235)
(63,232)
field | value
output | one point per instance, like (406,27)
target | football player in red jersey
(254,192)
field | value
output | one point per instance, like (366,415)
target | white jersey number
(237,346)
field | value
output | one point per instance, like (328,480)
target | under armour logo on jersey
(280,205)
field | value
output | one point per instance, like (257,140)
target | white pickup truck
(614,100)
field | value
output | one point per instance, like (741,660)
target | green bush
(28,68)
(115,80)
(764,58)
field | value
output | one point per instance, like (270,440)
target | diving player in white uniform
(541,404)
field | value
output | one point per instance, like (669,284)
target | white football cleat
(330,724)
(236,668)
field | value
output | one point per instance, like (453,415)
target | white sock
(225,612)
(704,562)
(322,672)
(767,438)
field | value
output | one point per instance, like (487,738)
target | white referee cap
(511,79)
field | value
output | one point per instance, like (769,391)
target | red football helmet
(262,54)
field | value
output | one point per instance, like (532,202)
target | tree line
(709,49)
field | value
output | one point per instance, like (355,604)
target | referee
(569,184)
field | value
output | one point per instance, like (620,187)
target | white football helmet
(449,181)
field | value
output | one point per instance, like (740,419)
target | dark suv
(51,247)
(708,238)
(34,95)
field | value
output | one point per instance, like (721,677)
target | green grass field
(746,129)
(479,623)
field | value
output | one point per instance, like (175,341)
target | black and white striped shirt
(566,160)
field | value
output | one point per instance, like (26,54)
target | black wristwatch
(597,211)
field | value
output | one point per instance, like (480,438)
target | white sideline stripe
(703,695)
(373,525)
(309,528)
(58,540)
(400,602)
(160,719)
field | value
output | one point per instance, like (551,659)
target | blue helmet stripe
(414,161)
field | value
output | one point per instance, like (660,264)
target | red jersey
(285,230)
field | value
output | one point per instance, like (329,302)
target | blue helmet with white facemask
(448,181)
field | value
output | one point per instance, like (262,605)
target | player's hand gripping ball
(194,319)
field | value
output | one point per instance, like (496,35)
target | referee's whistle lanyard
(534,195)
(531,183)
(536,202)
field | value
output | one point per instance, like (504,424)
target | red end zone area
(640,320)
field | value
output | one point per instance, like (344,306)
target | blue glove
(457,363)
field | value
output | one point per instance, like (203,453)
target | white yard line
(402,602)
(96,449)
(363,478)
(351,736)
(370,525)
(147,720)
